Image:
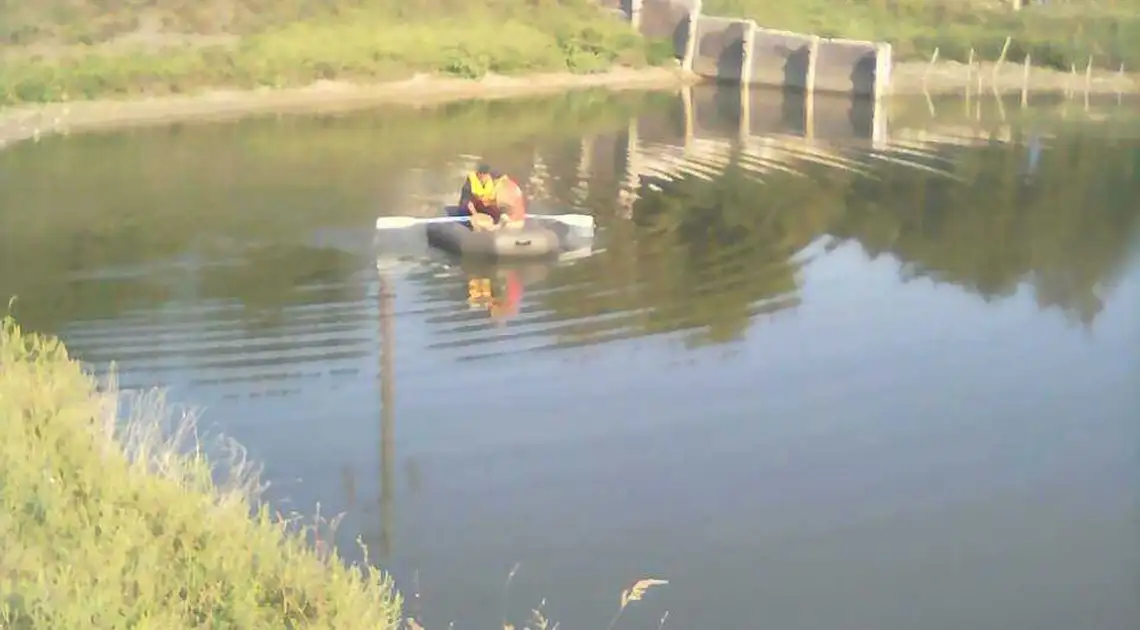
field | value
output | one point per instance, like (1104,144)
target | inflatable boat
(536,238)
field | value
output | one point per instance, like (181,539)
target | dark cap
(483,168)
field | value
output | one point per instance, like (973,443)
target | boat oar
(580,221)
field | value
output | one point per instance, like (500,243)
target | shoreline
(915,78)
(36,121)
(909,79)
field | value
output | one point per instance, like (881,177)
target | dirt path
(31,122)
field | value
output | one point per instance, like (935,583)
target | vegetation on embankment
(109,527)
(58,50)
(1055,34)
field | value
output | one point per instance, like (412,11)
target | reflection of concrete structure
(765,130)
(581,189)
(762,130)
(768,131)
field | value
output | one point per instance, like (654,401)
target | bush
(108,526)
(297,43)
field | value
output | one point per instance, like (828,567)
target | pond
(825,367)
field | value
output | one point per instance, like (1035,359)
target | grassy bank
(1057,34)
(62,50)
(106,528)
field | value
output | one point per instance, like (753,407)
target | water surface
(854,370)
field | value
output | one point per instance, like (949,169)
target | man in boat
(491,199)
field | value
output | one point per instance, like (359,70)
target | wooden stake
(1025,81)
(1088,82)
(1120,84)
(969,71)
(929,67)
(1000,103)
(1001,58)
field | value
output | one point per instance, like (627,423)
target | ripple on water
(789,348)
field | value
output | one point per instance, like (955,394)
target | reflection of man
(500,299)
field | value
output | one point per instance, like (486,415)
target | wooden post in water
(1120,85)
(925,76)
(969,79)
(969,73)
(1088,82)
(387,414)
(1001,60)
(995,86)
(1025,82)
(978,87)
(929,67)
(1000,102)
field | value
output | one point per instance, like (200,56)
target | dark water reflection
(828,367)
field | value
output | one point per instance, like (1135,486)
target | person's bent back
(510,201)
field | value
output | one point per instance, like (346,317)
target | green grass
(108,48)
(1056,35)
(107,527)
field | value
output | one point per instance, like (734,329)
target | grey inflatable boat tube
(534,239)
